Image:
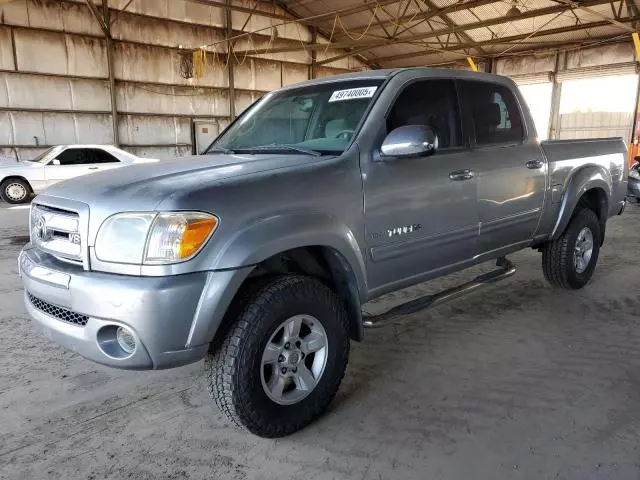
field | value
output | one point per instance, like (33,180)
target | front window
(318,119)
(47,155)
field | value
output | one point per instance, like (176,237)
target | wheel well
(324,263)
(596,199)
(17,177)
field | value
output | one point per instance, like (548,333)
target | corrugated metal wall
(596,124)
(564,72)
(54,79)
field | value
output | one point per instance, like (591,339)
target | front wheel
(569,261)
(281,359)
(15,191)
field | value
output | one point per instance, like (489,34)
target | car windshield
(313,120)
(45,156)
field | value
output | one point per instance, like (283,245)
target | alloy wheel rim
(583,250)
(294,359)
(15,191)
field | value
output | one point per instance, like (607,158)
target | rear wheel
(569,261)
(281,359)
(15,190)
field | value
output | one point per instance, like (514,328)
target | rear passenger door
(420,212)
(512,171)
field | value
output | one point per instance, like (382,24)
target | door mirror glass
(55,161)
(410,141)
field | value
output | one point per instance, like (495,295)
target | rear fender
(579,183)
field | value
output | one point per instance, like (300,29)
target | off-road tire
(6,183)
(233,364)
(557,255)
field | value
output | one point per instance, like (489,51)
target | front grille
(57,232)
(58,312)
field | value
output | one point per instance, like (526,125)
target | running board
(506,270)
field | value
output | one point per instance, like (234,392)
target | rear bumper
(166,315)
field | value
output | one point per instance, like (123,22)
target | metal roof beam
(501,40)
(310,20)
(362,46)
(451,24)
(430,14)
(581,6)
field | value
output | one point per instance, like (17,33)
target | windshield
(45,156)
(317,119)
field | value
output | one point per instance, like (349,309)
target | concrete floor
(518,381)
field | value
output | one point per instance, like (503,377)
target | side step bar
(505,270)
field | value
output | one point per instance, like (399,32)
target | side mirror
(410,141)
(55,161)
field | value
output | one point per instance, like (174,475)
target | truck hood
(144,186)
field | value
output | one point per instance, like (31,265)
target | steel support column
(634,146)
(556,93)
(313,68)
(230,59)
(105,24)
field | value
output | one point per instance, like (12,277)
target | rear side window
(100,156)
(495,113)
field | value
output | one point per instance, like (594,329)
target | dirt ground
(518,381)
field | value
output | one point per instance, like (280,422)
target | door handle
(461,175)
(534,164)
(93,168)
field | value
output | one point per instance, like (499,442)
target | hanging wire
(199,63)
(374,13)
(532,33)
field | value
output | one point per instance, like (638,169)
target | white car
(19,180)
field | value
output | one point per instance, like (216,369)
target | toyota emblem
(40,229)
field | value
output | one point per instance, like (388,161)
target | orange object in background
(634,147)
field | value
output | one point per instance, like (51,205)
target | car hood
(6,162)
(145,186)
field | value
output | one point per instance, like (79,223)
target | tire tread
(556,254)
(222,364)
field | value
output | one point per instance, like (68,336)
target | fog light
(126,340)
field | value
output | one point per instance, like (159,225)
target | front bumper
(162,312)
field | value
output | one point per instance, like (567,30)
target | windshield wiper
(293,148)
(218,149)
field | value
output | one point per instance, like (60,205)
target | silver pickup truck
(258,255)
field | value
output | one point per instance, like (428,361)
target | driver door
(421,213)
(69,163)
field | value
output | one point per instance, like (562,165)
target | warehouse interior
(519,381)
(122,72)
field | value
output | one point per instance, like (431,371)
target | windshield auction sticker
(352,93)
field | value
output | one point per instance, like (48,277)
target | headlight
(633,173)
(153,238)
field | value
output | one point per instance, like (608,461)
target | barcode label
(352,93)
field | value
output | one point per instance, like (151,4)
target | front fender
(235,260)
(581,181)
(280,233)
